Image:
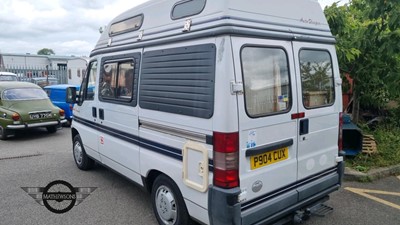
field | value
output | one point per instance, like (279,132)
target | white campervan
(226,111)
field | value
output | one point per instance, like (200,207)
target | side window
(108,79)
(266,81)
(125,81)
(88,87)
(316,78)
(117,80)
(179,80)
(187,8)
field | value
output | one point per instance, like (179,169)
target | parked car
(44,81)
(25,105)
(7,76)
(58,96)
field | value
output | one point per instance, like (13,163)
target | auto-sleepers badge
(59,196)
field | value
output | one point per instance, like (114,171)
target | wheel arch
(74,132)
(150,178)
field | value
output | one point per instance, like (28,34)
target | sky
(68,27)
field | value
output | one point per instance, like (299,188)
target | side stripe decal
(141,142)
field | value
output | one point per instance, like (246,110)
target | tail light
(16,116)
(62,113)
(226,159)
(340,139)
(71,106)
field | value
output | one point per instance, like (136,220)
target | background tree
(368,34)
(46,51)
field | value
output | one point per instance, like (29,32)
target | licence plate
(269,158)
(39,115)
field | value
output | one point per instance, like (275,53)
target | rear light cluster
(226,159)
(340,139)
(16,116)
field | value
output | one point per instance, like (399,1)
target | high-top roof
(164,20)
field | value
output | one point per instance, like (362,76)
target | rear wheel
(3,133)
(51,129)
(82,160)
(168,204)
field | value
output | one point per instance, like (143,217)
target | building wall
(29,66)
(76,69)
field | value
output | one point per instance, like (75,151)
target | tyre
(51,129)
(168,204)
(81,159)
(3,133)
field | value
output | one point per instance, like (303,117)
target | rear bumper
(225,209)
(32,125)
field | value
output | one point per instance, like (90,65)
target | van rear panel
(288,127)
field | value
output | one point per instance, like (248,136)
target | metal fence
(30,74)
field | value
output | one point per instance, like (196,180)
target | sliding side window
(118,80)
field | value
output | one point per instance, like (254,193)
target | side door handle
(101,114)
(304,126)
(94,112)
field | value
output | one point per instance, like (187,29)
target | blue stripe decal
(141,142)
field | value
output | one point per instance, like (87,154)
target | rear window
(266,81)
(24,94)
(316,78)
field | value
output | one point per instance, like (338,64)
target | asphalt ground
(36,158)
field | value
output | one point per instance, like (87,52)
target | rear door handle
(94,112)
(101,114)
(304,126)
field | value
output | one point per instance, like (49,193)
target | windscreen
(24,94)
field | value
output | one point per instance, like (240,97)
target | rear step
(321,210)
(316,209)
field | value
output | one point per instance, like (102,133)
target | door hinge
(236,88)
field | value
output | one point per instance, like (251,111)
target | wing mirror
(72,97)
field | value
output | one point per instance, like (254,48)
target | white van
(7,76)
(226,111)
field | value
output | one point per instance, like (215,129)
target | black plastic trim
(223,207)
(289,187)
(269,147)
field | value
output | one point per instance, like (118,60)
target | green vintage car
(25,105)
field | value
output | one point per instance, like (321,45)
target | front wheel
(82,160)
(168,204)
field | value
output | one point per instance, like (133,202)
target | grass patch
(388,143)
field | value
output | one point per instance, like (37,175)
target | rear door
(268,134)
(320,101)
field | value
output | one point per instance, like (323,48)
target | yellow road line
(363,192)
